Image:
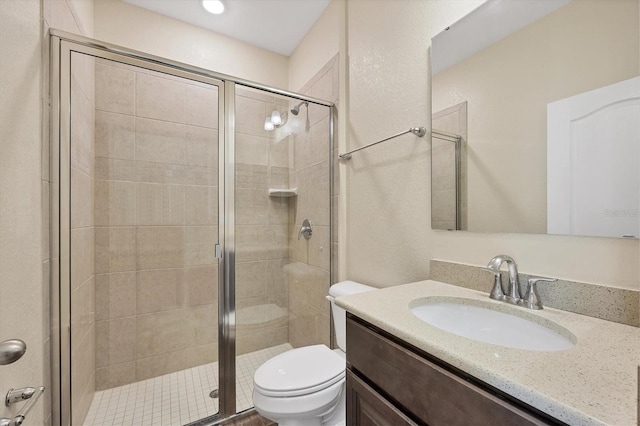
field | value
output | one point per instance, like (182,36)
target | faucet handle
(532,298)
(497,292)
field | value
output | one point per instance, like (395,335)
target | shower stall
(449,168)
(178,203)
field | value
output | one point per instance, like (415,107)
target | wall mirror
(536,119)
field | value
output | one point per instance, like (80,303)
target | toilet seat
(299,372)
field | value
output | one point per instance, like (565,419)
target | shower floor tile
(177,398)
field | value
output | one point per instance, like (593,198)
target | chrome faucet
(513,294)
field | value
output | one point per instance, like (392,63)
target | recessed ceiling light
(213,6)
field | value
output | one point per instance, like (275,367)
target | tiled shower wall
(452,120)
(443,194)
(309,274)
(156,224)
(83,327)
(262,162)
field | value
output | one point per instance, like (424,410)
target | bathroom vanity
(402,370)
(389,382)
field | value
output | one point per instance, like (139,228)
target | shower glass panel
(282,177)
(144,226)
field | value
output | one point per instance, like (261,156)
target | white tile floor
(176,398)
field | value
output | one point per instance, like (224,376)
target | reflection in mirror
(545,100)
(448,171)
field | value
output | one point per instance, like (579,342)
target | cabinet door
(365,407)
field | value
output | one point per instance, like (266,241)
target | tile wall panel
(156,224)
(156,216)
(309,276)
(261,224)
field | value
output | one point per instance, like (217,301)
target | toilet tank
(343,288)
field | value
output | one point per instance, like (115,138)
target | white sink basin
(464,318)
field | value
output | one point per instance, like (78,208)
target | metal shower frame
(62,46)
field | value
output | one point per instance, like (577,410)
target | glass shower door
(144,225)
(282,175)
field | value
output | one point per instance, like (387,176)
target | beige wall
(388,198)
(596,33)
(25,187)
(140,29)
(318,47)
(389,234)
(23,309)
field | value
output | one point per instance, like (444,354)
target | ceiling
(494,20)
(276,25)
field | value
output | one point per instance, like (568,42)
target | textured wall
(23,306)
(388,198)
(25,184)
(389,234)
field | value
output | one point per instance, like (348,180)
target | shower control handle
(305,230)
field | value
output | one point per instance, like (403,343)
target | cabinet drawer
(368,408)
(427,391)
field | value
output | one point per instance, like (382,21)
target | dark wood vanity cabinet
(365,406)
(389,382)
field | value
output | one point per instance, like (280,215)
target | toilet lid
(299,371)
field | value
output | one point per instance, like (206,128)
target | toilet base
(335,417)
(339,415)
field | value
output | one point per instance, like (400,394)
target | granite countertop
(594,383)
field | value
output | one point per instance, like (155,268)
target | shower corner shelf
(283,192)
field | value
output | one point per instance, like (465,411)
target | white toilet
(305,386)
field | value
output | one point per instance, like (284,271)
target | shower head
(296,109)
